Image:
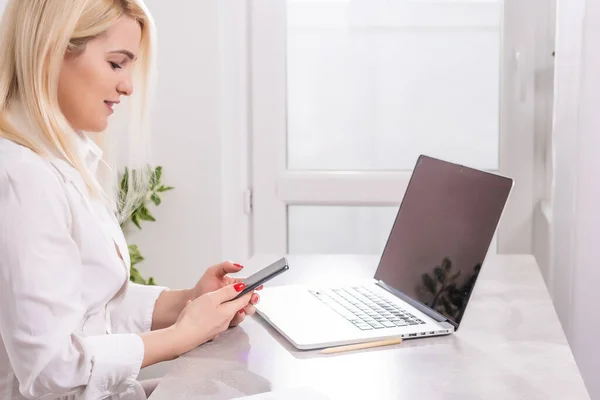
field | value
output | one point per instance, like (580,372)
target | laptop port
(412,334)
(431,333)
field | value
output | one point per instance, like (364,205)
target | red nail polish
(239,265)
(241,311)
(260,287)
(239,286)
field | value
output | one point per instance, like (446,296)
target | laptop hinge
(421,307)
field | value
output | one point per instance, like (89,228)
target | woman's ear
(76,47)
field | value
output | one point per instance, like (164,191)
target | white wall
(545,27)
(186,141)
(576,194)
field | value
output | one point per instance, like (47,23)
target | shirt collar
(89,151)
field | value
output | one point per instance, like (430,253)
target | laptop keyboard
(365,309)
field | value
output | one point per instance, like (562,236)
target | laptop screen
(442,233)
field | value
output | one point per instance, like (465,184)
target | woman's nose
(125,87)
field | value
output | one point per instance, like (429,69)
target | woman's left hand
(217,277)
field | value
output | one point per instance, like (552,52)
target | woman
(71,324)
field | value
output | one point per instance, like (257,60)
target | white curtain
(575,247)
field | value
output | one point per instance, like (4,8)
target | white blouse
(68,312)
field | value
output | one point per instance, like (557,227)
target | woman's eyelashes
(114,65)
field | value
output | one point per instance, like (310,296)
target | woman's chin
(98,126)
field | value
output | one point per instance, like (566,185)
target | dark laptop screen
(442,233)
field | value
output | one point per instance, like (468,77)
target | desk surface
(510,346)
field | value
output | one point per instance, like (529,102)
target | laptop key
(365,327)
(376,325)
(400,323)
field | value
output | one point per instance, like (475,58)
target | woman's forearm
(168,307)
(161,345)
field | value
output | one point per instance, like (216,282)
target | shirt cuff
(148,295)
(116,363)
(134,314)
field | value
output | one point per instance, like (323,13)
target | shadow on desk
(219,369)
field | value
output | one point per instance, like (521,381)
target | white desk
(510,346)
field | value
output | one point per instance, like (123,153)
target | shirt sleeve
(134,314)
(41,292)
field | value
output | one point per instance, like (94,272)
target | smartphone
(264,275)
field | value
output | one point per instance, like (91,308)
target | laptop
(433,255)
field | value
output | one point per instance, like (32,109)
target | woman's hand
(216,277)
(204,318)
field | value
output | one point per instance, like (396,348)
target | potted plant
(141,213)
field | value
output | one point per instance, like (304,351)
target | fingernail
(239,265)
(241,311)
(260,287)
(255,299)
(239,286)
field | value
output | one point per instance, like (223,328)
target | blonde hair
(35,35)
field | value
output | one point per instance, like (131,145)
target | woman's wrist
(179,341)
(168,307)
(163,345)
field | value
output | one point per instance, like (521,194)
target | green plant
(141,213)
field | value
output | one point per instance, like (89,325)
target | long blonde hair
(34,37)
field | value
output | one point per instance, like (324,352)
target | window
(347,93)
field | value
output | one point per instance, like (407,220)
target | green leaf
(158,173)
(134,254)
(164,188)
(145,215)
(134,219)
(153,181)
(151,281)
(429,283)
(136,277)
(155,199)
(123,185)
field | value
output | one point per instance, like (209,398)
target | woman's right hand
(207,316)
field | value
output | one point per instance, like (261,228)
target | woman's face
(91,82)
